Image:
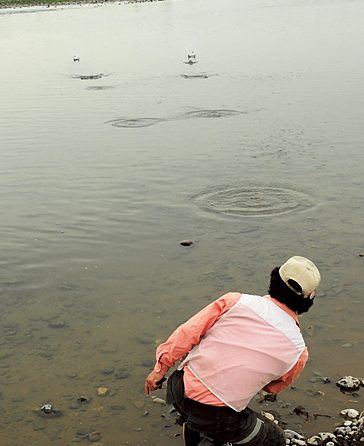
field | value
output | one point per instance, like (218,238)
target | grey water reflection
(257,162)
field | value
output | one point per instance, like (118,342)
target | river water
(107,163)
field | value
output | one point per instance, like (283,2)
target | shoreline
(11,4)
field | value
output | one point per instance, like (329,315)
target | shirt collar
(284,307)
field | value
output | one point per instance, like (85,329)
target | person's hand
(153,382)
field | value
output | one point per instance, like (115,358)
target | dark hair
(280,291)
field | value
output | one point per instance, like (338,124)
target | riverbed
(113,150)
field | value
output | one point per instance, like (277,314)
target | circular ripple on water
(253,201)
(222,113)
(134,122)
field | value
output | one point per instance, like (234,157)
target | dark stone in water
(82,399)
(49,411)
(46,354)
(117,407)
(122,374)
(186,243)
(93,437)
(143,339)
(56,324)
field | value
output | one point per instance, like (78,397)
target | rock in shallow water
(349,383)
(186,242)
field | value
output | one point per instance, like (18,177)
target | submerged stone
(56,324)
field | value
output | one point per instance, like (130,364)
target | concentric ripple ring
(253,201)
(134,122)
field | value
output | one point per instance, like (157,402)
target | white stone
(327,436)
(349,413)
(298,442)
(268,415)
(314,441)
(289,433)
(349,383)
(159,401)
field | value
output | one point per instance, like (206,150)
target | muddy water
(255,153)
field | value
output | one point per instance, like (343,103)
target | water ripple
(134,122)
(253,201)
(195,114)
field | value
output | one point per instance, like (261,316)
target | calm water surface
(259,159)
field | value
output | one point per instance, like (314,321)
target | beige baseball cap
(302,271)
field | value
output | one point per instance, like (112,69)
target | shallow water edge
(14,4)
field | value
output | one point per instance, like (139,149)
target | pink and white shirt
(236,346)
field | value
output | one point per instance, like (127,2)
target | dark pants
(222,424)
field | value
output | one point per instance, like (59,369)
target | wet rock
(56,324)
(314,440)
(122,374)
(349,383)
(93,436)
(319,378)
(107,371)
(349,413)
(314,392)
(290,434)
(159,401)
(144,339)
(310,330)
(117,407)
(82,399)
(268,415)
(48,411)
(186,242)
(102,391)
(47,354)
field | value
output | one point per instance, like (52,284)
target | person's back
(233,348)
(251,345)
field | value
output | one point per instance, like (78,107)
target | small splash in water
(222,113)
(134,122)
(87,77)
(195,76)
(253,201)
